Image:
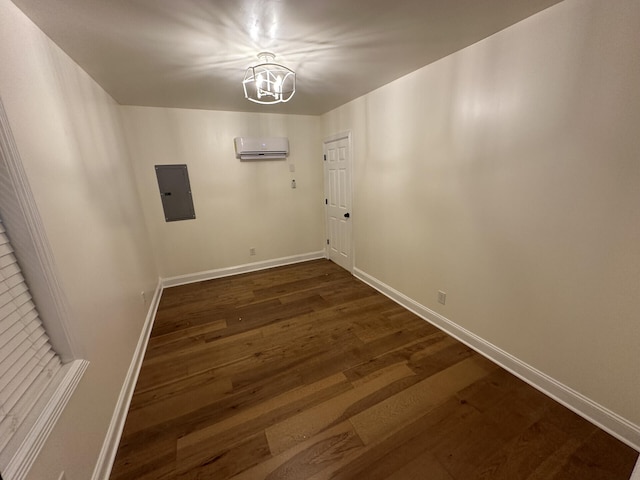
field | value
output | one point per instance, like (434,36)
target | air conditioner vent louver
(251,148)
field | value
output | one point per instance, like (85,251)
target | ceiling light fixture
(269,82)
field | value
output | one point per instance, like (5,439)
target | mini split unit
(248,148)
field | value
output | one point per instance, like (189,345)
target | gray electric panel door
(175,192)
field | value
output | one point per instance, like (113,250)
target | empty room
(295,239)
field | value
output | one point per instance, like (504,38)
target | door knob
(346,215)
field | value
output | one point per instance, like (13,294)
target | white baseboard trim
(20,464)
(604,418)
(109,449)
(248,267)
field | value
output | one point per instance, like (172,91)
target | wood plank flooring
(305,373)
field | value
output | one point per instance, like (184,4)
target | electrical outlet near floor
(442,297)
(252,251)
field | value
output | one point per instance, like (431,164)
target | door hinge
(327,241)
(325,158)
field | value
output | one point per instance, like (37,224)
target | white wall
(70,138)
(508,176)
(238,205)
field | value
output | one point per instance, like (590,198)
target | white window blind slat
(10,419)
(14,294)
(22,299)
(5,249)
(14,280)
(26,307)
(7,263)
(8,320)
(5,297)
(23,378)
(9,311)
(27,370)
(14,364)
(30,317)
(32,371)
(19,345)
(11,351)
(19,289)
(8,268)
(30,336)
(27,361)
(7,336)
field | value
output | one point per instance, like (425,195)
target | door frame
(332,138)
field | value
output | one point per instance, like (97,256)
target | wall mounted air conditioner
(251,148)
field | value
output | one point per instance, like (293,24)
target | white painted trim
(248,267)
(51,303)
(55,317)
(338,136)
(109,449)
(604,418)
(22,461)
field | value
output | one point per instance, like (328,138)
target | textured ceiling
(193,53)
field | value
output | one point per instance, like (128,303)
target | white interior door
(337,185)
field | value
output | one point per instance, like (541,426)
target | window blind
(27,361)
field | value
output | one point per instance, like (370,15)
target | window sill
(32,441)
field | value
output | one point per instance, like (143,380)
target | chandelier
(269,82)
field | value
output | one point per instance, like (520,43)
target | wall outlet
(442,297)
(292,167)
(252,251)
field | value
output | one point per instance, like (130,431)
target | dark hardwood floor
(303,372)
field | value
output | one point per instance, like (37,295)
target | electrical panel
(175,192)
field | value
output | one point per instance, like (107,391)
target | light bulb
(259,81)
(278,86)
